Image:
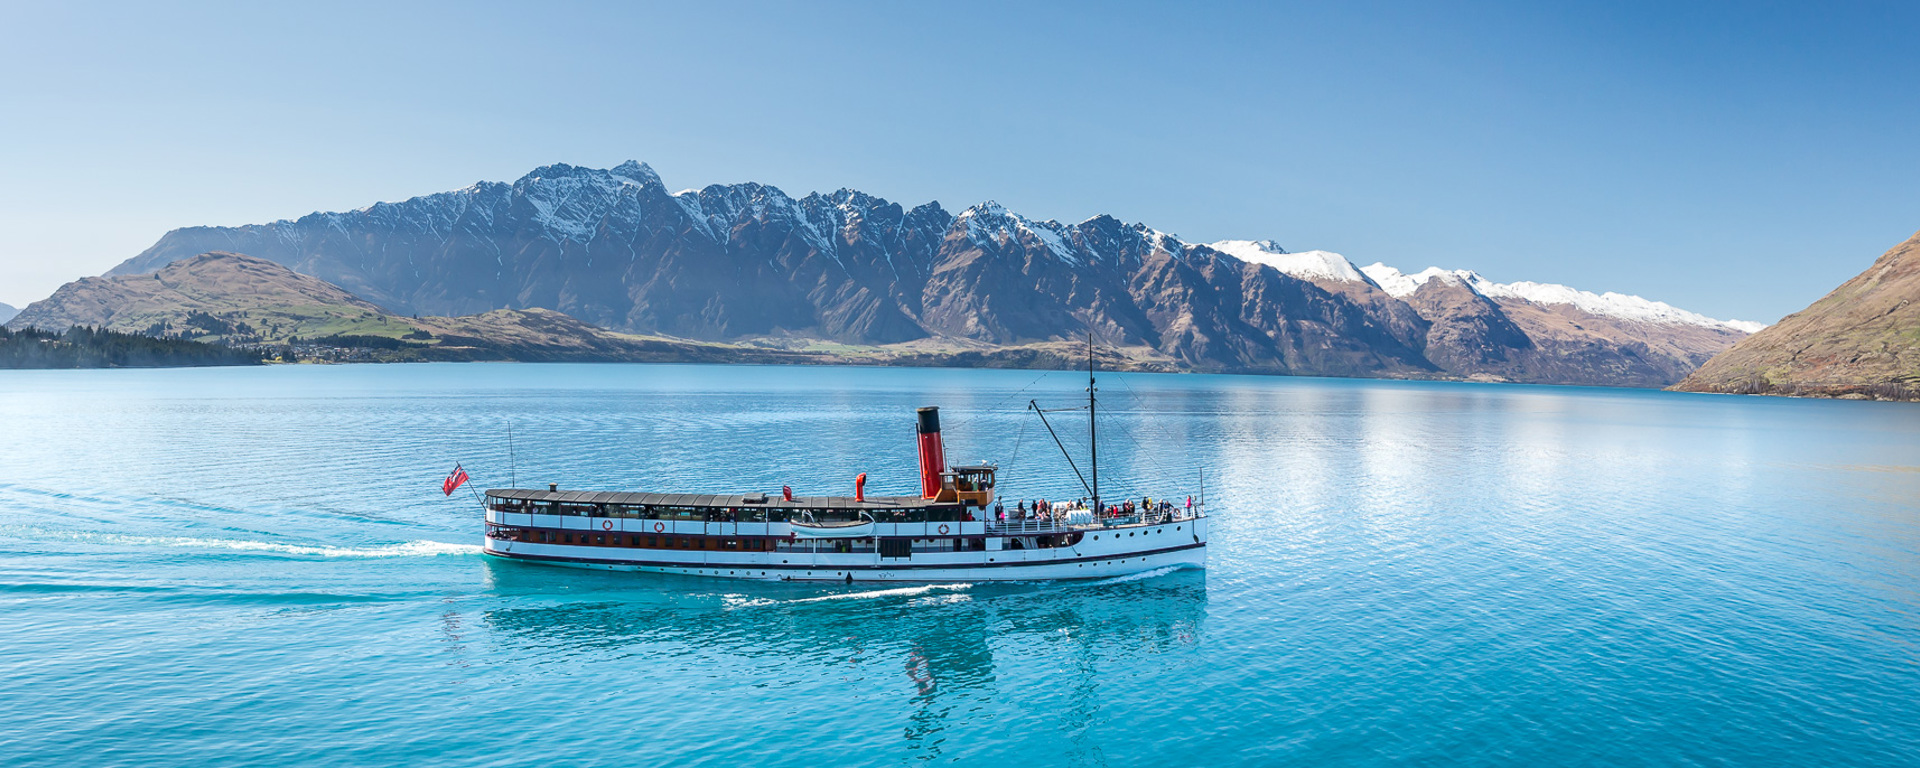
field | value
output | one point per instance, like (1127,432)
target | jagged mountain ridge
(614,248)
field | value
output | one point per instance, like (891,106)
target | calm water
(257,567)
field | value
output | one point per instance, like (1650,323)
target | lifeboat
(851,529)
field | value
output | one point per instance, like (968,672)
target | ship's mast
(1093,434)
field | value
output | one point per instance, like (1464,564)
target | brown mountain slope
(1862,340)
(1581,347)
(237,299)
(211,297)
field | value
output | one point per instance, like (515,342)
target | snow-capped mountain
(615,248)
(1614,305)
(1307,265)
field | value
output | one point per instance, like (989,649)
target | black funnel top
(929,420)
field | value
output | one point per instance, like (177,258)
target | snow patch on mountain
(1401,285)
(992,222)
(1609,304)
(571,203)
(1307,265)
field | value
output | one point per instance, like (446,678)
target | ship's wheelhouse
(968,486)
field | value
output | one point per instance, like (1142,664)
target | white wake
(742,601)
(416,548)
(1161,571)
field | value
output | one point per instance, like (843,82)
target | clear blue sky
(1737,159)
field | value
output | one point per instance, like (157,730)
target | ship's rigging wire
(1003,401)
(1162,432)
(1165,434)
(1019,436)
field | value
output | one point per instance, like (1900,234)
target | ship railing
(997,528)
(1058,525)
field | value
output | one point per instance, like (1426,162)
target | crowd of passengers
(1042,510)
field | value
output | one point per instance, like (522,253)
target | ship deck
(713,501)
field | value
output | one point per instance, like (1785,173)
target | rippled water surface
(256,566)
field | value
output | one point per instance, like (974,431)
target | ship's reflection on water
(935,651)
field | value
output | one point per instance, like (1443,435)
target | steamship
(950,532)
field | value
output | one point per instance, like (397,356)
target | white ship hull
(1004,554)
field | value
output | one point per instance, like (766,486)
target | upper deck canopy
(710,501)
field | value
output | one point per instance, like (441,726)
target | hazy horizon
(1733,160)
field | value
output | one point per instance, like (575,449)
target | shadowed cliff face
(615,249)
(1467,332)
(1862,336)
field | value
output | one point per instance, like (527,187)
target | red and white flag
(455,480)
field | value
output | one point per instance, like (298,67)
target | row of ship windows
(888,547)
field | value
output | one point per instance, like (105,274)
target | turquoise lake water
(256,566)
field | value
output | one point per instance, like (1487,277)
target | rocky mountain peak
(637,171)
(629,172)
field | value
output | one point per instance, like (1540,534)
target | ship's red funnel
(933,454)
(860,487)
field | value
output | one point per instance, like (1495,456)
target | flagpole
(469,484)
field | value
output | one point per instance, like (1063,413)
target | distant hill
(747,264)
(7,311)
(233,299)
(1860,340)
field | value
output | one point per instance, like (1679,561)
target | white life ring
(943,529)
